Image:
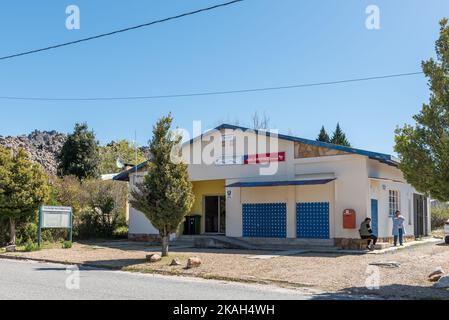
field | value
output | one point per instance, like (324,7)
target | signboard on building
(228,160)
(264,158)
(55,217)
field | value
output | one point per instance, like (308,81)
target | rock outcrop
(42,147)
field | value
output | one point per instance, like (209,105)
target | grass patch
(31,246)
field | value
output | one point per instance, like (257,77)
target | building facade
(284,188)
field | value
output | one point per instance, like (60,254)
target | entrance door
(215,214)
(375,217)
(420,215)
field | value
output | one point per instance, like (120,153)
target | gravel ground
(333,273)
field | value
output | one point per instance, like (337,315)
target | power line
(212,93)
(120,31)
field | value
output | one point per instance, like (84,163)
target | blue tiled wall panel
(266,220)
(312,220)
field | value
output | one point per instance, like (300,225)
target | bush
(27,233)
(439,217)
(67,244)
(31,246)
(120,233)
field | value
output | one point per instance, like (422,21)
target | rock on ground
(436,275)
(175,262)
(193,263)
(154,258)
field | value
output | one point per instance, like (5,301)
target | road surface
(33,280)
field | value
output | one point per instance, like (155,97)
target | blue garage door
(312,220)
(267,220)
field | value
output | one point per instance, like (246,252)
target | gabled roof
(381,157)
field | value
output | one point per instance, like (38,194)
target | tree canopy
(124,150)
(339,137)
(323,136)
(165,196)
(423,148)
(79,155)
(23,188)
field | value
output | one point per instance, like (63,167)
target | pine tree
(424,148)
(79,155)
(323,136)
(23,188)
(339,137)
(166,195)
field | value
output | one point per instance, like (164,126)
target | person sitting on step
(366,233)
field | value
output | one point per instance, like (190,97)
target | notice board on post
(55,217)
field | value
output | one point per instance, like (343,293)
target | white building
(289,188)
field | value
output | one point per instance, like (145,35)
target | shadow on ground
(389,292)
(155,247)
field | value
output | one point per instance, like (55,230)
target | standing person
(367,233)
(398,228)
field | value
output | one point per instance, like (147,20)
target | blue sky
(258,43)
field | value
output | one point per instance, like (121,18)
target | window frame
(394,201)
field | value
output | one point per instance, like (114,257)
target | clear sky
(257,43)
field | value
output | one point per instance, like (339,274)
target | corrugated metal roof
(278,183)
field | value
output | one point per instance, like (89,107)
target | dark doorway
(420,214)
(215,214)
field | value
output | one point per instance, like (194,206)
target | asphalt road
(33,280)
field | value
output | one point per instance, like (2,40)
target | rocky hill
(42,147)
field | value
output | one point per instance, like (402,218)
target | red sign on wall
(264,158)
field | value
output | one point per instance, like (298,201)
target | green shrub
(31,246)
(120,232)
(439,217)
(67,244)
(26,233)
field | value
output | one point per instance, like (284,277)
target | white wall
(291,195)
(391,178)
(138,223)
(351,186)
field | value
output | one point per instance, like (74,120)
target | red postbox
(349,219)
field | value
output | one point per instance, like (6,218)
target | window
(393,201)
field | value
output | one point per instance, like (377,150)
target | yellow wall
(206,188)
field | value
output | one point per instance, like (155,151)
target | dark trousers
(369,238)
(401,238)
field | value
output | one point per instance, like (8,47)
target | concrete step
(382,245)
(222,242)
(270,244)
